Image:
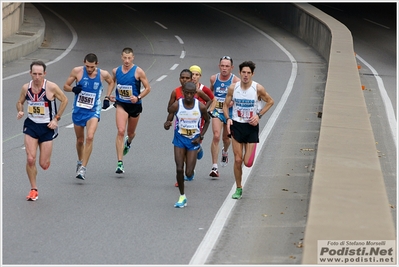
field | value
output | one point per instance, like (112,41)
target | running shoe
(126,148)
(120,168)
(78,164)
(200,153)
(81,173)
(225,158)
(189,178)
(237,194)
(181,203)
(214,172)
(33,195)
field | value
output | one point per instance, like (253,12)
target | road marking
(335,8)
(130,7)
(174,66)
(183,54)
(161,78)
(202,253)
(156,22)
(386,100)
(386,27)
(179,39)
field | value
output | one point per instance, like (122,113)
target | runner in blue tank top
(219,84)
(128,79)
(86,106)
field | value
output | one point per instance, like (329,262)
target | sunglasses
(228,58)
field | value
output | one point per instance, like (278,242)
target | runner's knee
(216,138)
(31,161)
(238,160)
(45,165)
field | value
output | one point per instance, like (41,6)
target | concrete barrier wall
(29,35)
(348,199)
(13,15)
(299,22)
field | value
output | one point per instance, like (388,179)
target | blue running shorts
(184,142)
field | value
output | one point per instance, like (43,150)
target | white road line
(183,54)
(174,66)
(179,39)
(130,7)
(386,27)
(334,8)
(202,253)
(66,52)
(161,78)
(156,22)
(386,100)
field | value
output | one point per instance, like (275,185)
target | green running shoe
(120,168)
(237,194)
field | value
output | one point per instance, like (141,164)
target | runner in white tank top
(243,125)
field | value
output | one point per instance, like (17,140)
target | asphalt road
(130,219)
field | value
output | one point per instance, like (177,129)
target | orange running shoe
(33,195)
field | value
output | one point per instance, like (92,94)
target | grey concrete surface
(28,38)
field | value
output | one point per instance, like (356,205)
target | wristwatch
(259,115)
(57,117)
(139,97)
(201,137)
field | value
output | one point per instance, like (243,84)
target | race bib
(125,91)
(187,132)
(36,109)
(85,100)
(245,113)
